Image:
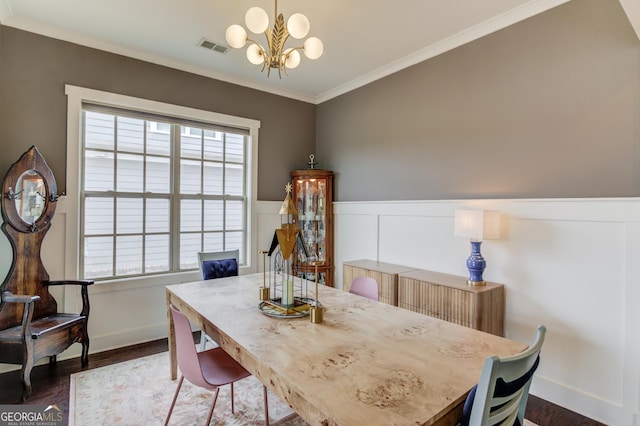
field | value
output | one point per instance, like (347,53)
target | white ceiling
(364,39)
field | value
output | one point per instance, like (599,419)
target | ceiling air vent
(212,45)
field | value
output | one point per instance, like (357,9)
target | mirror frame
(30,160)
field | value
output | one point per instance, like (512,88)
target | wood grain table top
(367,363)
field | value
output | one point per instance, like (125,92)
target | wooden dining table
(366,363)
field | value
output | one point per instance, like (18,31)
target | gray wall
(34,70)
(549,107)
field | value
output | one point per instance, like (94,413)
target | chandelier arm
(296,48)
(255,42)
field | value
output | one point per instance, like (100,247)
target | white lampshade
(257,20)
(292,58)
(313,48)
(477,224)
(298,25)
(236,36)
(255,55)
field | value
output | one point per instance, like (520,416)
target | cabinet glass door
(312,195)
(311,202)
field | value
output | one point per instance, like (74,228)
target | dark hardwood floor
(51,386)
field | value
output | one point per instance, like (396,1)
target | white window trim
(75,97)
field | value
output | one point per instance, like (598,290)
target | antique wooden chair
(30,326)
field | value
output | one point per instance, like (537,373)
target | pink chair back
(188,361)
(365,286)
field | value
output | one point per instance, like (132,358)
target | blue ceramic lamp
(477,225)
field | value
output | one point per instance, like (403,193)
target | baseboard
(591,406)
(129,337)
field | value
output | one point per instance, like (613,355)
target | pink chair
(365,286)
(209,369)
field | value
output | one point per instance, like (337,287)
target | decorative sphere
(291,58)
(254,54)
(236,36)
(298,25)
(257,20)
(313,48)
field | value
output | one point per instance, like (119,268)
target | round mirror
(31,196)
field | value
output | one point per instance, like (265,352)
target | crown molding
(490,26)
(60,34)
(5,11)
(632,9)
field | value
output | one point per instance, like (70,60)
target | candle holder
(264,290)
(317,311)
(317,314)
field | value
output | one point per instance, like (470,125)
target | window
(155,189)
(136,172)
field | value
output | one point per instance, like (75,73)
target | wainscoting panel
(357,240)
(411,240)
(568,264)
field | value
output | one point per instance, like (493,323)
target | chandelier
(275,56)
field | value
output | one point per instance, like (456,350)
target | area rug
(139,392)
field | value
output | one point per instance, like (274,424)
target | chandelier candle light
(275,56)
(477,225)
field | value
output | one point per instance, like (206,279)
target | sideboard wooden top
(447,280)
(385,268)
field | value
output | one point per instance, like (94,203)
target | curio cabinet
(313,197)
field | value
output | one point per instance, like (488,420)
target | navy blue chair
(214,265)
(218,264)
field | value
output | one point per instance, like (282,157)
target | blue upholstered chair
(500,397)
(218,264)
(214,265)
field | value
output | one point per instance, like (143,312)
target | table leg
(172,341)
